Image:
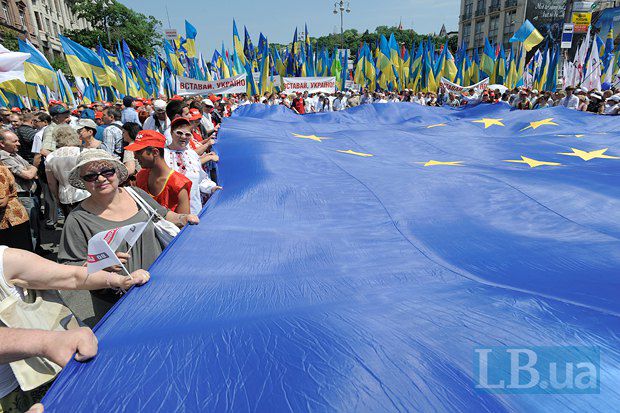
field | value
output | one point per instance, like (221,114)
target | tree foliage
(141,32)
(353,39)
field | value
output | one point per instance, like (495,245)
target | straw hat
(95,155)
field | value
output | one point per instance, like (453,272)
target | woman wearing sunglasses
(110,206)
(186,161)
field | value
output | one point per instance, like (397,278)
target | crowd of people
(103,166)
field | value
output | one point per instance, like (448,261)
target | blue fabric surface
(321,280)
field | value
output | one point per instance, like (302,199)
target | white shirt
(207,122)
(59,163)
(571,102)
(37,142)
(187,162)
(149,124)
(8,382)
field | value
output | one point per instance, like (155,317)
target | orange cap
(146,138)
(194,114)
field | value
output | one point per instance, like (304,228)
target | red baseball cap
(146,138)
(214,98)
(98,115)
(179,120)
(194,114)
(139,104)
(176,97)
(16,110)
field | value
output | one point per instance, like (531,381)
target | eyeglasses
(181,134)
(93,176)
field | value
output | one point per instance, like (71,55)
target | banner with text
(309,84)
(187,86)
(453,87)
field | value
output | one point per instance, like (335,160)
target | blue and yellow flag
(37,69)
(528,35)
(190,39)
(83,62)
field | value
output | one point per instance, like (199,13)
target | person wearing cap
(612,105)
(158,121)
(165,185)
(86,130)
(184,160)
(60,115)
(570,101)
(110,206)
(207,120)
(129,114)
(5,113)
(113,133)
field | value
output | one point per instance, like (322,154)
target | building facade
(51,18)
(15,21)
(499,19)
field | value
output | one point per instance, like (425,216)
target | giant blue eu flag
(360,261)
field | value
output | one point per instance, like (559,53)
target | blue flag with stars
(355,261)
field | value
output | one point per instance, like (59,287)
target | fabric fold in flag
(84,62)
(528,35)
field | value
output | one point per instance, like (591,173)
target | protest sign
(453,87)
(187,86)
(309,84)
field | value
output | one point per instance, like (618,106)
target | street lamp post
(340,7)
(105,6)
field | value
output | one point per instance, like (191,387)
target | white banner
(309,84)
(351,85)
(273,79)
(103,245)
(187,86)
(453,87)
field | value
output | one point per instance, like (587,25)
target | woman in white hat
(110,206)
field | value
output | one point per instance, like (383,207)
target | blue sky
(277,18)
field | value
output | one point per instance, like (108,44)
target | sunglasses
(93,176)
(181,134)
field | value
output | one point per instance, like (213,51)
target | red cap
(16,110)
(138,104)
(108,104)
(176,97)
(98,115)
(214,98)
(194,114)
(75,112)
(178,121)
(146,138)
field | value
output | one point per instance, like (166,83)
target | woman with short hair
(59,163)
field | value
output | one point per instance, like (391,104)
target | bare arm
(57,346)
(183,207)
(28,173)
(180,220)
(30,271)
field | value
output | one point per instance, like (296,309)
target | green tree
(141,32)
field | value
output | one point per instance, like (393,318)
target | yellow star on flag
(350,152)
(539,123)
(311,137)
(435,163)
(436,125)
(586,156)
(489,122)
(533,163)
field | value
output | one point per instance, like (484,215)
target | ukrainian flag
(190,41)
(528,35)
(83,62)
(487,61)
(238,45)
(37,69)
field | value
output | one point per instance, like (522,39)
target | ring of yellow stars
(586,156)
(436,125)
(435,163)
(539,123)
(311,137)
(533,163)
(350,152)
(489,122)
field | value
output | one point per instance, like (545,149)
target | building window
(37,17)
(6,12)
(479,34)
(469,7)
(480,6)
(466,34)
(493,28)
(509,23)
(22,18)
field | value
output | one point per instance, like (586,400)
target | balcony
(480,12)
(510,3)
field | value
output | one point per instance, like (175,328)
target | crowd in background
(102,166)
